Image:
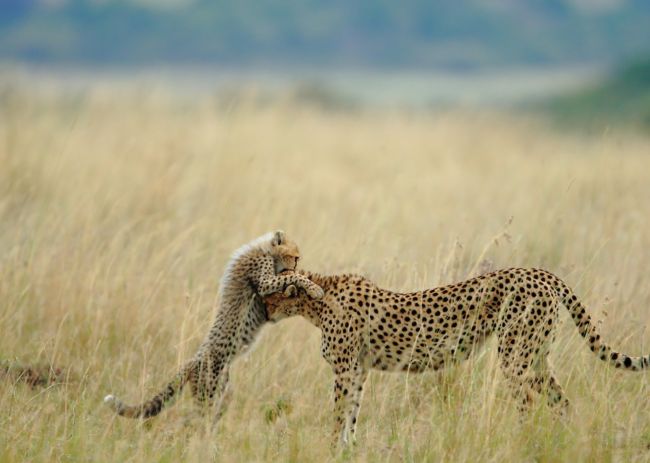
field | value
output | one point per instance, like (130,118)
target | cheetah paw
(315,292)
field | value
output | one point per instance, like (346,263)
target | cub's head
(286,304)
(284,251)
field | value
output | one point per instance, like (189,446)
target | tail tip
(110,400)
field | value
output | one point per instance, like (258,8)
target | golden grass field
(118,213)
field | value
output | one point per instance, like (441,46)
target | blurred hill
(418,33)
(621,98)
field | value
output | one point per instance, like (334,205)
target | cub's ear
(278,238)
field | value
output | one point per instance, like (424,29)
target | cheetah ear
(290,291)
(278,238)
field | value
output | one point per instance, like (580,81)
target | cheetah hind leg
(220,406)
(212,397)
(536,383)
(547,384)
(220,397)
(523,346)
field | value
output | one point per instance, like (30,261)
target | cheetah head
(285,304)
(284,251)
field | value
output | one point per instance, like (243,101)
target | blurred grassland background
(417,143)
(118,212)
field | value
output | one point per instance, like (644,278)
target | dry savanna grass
(118,213)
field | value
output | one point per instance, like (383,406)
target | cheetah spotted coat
(365,327)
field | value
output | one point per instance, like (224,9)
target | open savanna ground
(118,213)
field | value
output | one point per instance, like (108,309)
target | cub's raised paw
(315,292)
(290,291)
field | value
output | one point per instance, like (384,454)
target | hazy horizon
(363,86)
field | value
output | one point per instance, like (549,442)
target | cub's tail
(154,405)
(589,331)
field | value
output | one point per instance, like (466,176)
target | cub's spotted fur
(252,272)
(365,327)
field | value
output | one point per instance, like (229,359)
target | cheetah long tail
(153,406)
(589,331)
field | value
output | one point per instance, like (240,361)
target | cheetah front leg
(355,401)
(348,391)
(277,283)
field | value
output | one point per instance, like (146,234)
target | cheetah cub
(251,273)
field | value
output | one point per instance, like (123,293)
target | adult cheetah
(365,327)
(251,272)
